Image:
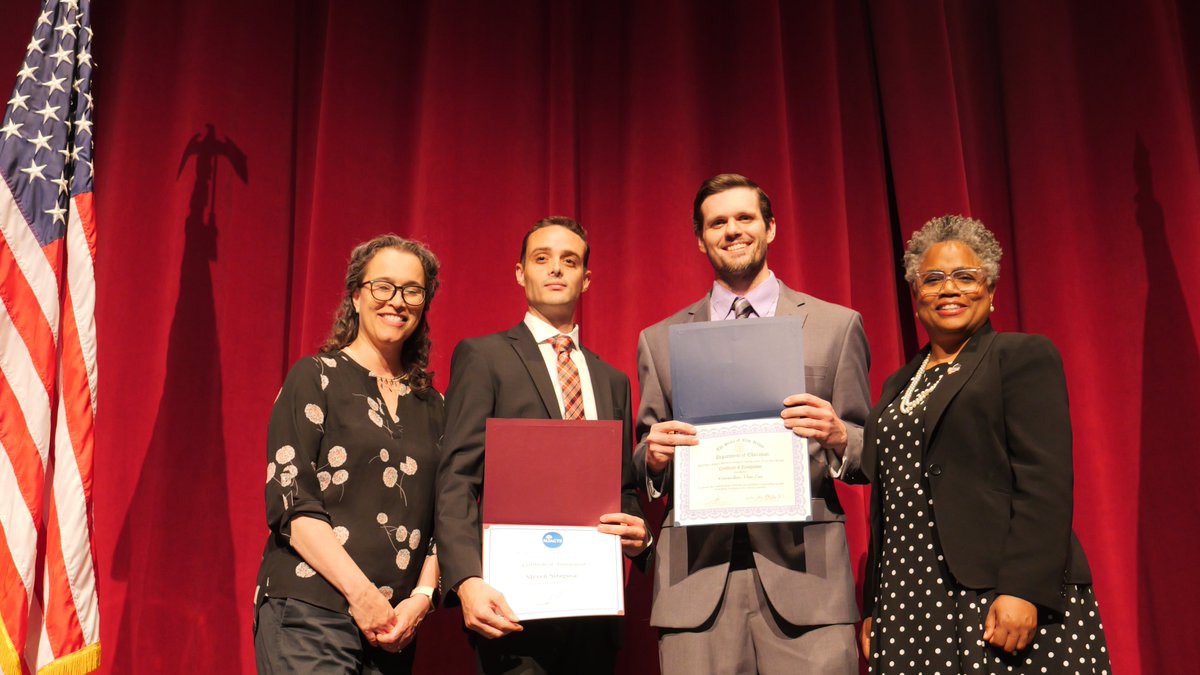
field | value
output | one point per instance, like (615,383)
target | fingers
(806,400)
(489,624)
(631,529)
(1010,623)
(815,421)
(507,614)
(1024,639)
(673,427)
(661,442)
(623,524)
(864,637)
(488,613)
(1010,642)
(392,634)
(672,433)
(807,427)
(620,519)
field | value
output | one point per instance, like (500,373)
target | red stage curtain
(244,148)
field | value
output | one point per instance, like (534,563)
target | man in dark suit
(762,597)
(537,370)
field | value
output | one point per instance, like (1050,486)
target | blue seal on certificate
(552,540)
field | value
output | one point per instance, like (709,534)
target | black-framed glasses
(384,291)
(965,279)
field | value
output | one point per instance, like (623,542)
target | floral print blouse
(335,452)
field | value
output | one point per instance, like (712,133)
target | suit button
(935,470)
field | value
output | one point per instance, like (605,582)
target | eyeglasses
(384,291)
(966,280)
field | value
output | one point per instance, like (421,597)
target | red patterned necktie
(568,378)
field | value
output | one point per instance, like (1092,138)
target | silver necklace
(908,402)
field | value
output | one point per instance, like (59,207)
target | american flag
(48,353)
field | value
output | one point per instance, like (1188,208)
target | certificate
(546,572)
(748,471)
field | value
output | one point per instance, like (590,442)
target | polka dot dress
(923,622)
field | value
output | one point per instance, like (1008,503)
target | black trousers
(293,636)
(575,646)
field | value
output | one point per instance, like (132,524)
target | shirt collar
(543,331)
(763,298)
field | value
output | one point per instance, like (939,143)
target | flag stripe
(40,277)
(74,439)
(62,623)
(81,281)
(18,523)
(23,450)
(74,445)
(29,323)
(17,536)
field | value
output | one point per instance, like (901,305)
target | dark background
(1070,128)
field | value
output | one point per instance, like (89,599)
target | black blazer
(503,375)
(996,453)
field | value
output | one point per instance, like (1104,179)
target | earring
(991,307)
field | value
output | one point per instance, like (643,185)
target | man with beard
(758,597)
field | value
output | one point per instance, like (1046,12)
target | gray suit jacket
(804,567)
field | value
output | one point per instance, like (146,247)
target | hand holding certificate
(541,548)
(729,379)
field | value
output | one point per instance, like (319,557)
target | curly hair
(968,231)
(414,355)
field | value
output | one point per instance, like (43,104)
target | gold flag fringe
(81,662)
(10,660)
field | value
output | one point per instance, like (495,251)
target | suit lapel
(699,311)
(967,361)
(527,349)
(791,303)
(601,386)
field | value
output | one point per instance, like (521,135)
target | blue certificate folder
(723,371)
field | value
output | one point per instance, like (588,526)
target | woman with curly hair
(973,567)
(350,567)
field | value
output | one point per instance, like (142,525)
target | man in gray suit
(759,597)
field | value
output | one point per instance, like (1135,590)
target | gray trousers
(747,637)
(292,636)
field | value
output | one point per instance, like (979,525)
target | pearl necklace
(907,402)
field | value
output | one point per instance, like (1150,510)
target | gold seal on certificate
(742,472)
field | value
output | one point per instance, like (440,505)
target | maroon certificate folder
(551,472)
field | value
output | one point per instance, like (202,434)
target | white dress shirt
(542,332)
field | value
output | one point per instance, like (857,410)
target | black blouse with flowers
(335,452)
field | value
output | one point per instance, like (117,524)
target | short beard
(745,271)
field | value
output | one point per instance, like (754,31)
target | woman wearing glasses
(973,566)
(350,569)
